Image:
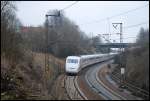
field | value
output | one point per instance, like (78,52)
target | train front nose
(71,69)
(72,65)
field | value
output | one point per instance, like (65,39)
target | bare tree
(138,61)
(65,37)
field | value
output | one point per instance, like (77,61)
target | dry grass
(29,76)
(39,58)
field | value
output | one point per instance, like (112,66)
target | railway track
(137,91)
(91,78)
(72,88)
(74,93)
(110,90)
(93,81)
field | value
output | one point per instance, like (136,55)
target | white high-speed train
(75,63)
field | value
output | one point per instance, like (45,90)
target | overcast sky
(88,15)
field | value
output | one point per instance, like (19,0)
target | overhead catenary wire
(109,40)
(63,10)
(117,40)
(123,38)
(129,11)
(68,6)
(135,25)
(126,27)
(104,19)
(131,26)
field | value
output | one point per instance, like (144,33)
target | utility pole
(122,67)
(46,71)
(46,43)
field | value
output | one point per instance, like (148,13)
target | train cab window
(72,61)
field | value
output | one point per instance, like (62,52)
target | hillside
(26,80)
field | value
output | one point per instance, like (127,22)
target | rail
(72,89)
(136,90)
(93,81)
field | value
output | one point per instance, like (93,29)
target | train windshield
(72,61)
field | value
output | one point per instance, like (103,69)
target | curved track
(93,82)
(97,86)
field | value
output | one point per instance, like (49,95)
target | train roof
(89,56)
(93,55)
(73,57)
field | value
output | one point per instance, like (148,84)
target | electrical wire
(126,27)
(69,6)
(123,38)
(101,20)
